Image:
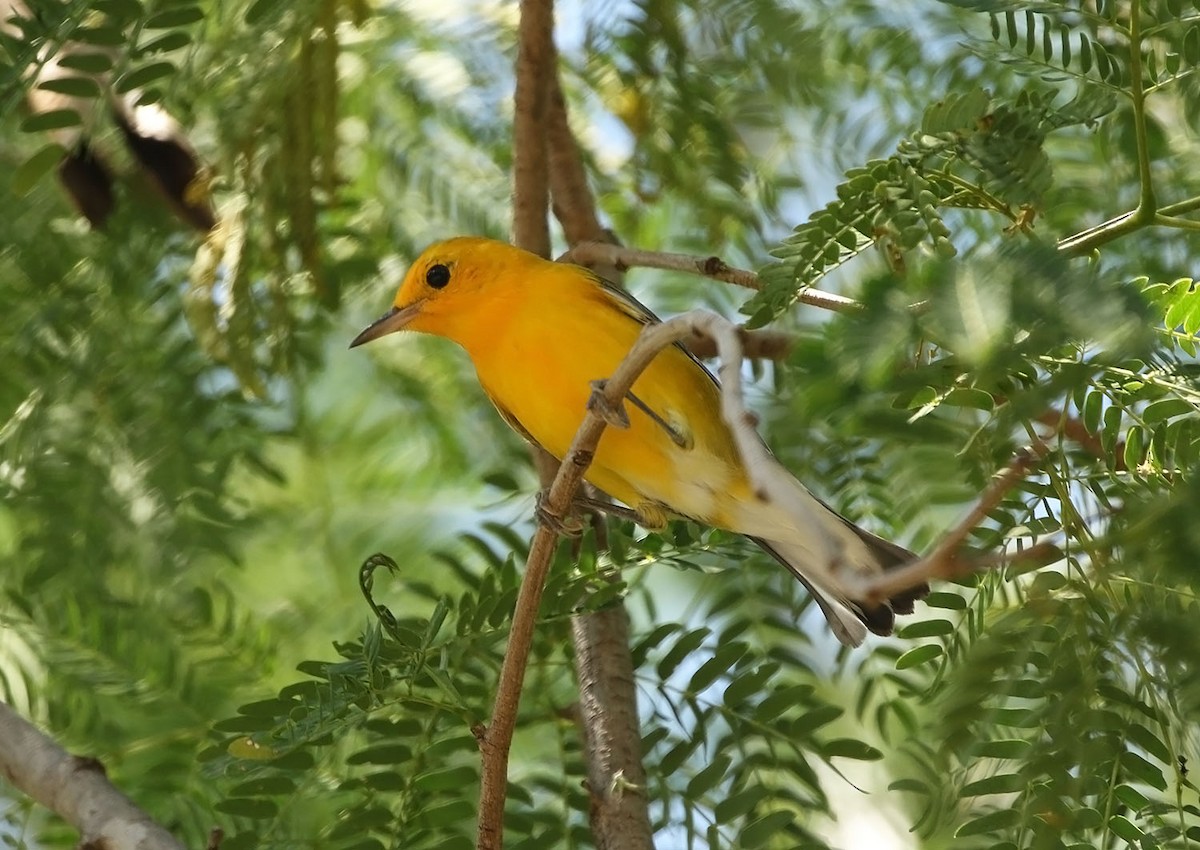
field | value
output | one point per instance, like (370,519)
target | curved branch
(76,789)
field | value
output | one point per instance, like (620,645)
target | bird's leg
(614,415)
(564,526)
(677,437)
(607,508)
(649,515)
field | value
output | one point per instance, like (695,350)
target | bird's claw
(598,403)
(568,526)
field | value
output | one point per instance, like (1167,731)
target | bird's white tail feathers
(825,552)
(847,626)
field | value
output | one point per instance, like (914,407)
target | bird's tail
(866,553)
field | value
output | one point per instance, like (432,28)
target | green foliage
(969,153)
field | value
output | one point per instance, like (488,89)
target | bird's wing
(510,420)
(643,315)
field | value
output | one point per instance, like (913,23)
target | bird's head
(443,292)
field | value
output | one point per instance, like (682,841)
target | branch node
(88,764)
(620,785)
(563,526)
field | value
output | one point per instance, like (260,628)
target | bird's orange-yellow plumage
(539,333)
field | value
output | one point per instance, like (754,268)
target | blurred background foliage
(193,467)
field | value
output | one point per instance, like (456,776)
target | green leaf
(851,749)
(1165,409)
(248,807)
(446,779)
(677,755)
(72,86)
(1006,748)
(37,166)
(381,754)
(146,74)
(1112,427)
(725,657)
(180,16)
(683,647)
(103,36)
(55,119)
(260,9)
(1004,783)
(708,778)
(267,708)
(1134,443)
(165,43)
(1121,826)
(1019,718)
(991,822)
(920,655)
(746,685)
(1180,299)
(764,829)
(1092,408)
(926,628)
(385,780)
(122,9)
(87,62)
(814,719)
(740,804)
(264,785)
(245,724)
(1148,741)
(450,814)
(970,397)
(1142,770)
(1131,797)
(943,599)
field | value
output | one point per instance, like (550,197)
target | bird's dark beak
(393,320)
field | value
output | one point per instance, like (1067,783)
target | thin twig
(76,789)
(944,561)
(756,345)
(1075,431)
(588,253)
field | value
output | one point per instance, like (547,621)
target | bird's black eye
(438,275)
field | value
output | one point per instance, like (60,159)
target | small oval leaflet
(139,77)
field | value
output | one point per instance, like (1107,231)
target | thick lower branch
(76,789)
(611,732)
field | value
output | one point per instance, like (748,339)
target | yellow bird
(539,333)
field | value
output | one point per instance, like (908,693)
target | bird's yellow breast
(549,337)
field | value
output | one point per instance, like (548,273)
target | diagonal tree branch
(76,789)
(944,561)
